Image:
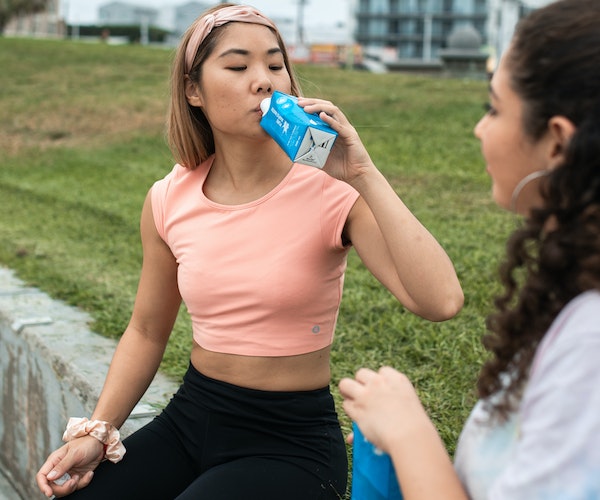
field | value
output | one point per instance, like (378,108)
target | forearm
(134,365)
(420,263)
(423,467)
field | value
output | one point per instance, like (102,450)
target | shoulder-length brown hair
(189,134)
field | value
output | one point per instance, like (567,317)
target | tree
(13,8)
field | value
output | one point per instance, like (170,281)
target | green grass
(82,140)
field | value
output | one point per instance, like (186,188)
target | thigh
(305,462)
(153,468)
(261,478)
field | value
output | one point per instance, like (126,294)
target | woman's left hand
(349,158)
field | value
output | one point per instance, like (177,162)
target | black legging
(217,441)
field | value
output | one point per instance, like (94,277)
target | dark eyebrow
(244,52)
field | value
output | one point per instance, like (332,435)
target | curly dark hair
(554,65)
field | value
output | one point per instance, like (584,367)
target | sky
(334,11)
(324,12)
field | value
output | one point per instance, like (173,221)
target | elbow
(447,308)
(452,306)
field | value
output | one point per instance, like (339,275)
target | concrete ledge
(52,367)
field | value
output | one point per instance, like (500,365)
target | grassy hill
(82,140)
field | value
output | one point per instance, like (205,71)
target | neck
(247,157)
(239,175)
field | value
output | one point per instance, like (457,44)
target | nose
(477,131)
(262,82)
(264,86)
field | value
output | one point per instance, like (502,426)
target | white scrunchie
(103,431)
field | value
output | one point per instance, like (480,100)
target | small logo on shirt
(316,329)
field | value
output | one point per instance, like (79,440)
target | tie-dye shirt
(550,446)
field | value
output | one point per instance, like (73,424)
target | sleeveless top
(263,278)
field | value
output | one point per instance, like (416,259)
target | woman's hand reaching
(384,404)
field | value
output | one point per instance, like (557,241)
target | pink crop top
(264,278)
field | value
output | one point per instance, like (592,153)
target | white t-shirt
(550,447)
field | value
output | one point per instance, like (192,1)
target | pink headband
(239,13)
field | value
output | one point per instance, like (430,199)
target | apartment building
(123,13)
(415,29)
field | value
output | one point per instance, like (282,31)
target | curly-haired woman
(535,433)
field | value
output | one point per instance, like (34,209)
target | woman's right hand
(385,406)
(78,458)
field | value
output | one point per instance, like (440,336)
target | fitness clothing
(264,278)
(217,441)
(550,447)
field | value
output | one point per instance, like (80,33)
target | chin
(500,200)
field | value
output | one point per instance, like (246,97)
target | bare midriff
(303,372)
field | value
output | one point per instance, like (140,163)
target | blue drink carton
(373,475)
(303,136)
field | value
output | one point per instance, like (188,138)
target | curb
(52,367)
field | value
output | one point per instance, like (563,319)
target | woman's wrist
(103,431)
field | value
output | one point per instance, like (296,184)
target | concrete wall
(52,366)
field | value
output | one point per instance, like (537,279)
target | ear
(560,130)
(192,93)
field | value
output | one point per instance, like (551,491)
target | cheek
(507,166)
(496,154)
(495,140)
(223,100)
(282,83)
(220,106)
